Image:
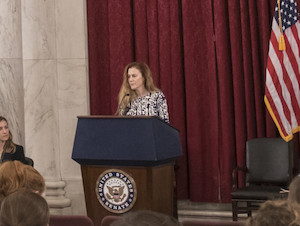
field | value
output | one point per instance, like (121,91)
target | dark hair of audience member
(294,190)
(145,218)
(24,208)
(15,175)
(275,213)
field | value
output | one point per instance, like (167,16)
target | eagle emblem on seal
(115,193)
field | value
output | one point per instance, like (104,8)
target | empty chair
(268,169)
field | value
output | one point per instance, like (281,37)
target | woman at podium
(9,151)
(139,96)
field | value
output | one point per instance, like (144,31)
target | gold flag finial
(281,37)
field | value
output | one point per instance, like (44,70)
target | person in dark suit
(9,151)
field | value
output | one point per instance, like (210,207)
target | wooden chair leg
(234,210)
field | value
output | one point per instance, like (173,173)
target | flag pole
(281,37)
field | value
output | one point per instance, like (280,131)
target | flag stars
(288,13)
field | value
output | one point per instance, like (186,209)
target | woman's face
(135,79)
(4,131)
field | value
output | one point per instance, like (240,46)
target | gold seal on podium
(116,191)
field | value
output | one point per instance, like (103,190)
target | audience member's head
(24,208)
(34,180)
(275,213)
(15,175)
(294,190)
(145,218)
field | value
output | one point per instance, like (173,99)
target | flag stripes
(282,93)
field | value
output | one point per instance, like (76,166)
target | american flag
(282,95)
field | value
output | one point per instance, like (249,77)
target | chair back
(29,161)
(70,220)
(269,160)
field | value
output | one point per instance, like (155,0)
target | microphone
(127,108)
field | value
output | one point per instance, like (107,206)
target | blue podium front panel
(105,140)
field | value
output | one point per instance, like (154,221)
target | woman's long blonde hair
(126,95)
(9,146)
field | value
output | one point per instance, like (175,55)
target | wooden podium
(133,155)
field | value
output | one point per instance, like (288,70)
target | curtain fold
(226,93)
(201,99)
(241,48)
(209,59)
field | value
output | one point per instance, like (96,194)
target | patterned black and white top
(153,104)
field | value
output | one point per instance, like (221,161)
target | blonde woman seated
(24,208)
(15,175)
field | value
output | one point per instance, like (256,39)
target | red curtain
(209,59)
(242,31)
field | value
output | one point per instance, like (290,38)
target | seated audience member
(275,213)
(24,208)
(9,151)
(294,190)
(15,175)
(145,218)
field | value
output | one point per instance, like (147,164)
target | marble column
(56,92)
(73,98)
(11,73)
